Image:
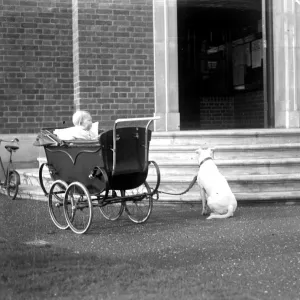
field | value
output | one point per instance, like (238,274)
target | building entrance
(221,64)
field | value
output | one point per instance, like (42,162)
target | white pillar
(286,63)
(166,65)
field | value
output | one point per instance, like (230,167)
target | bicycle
(12,178)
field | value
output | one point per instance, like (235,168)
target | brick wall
(216,112)
(113,58)
(249,110)
(36,83)
(243,110)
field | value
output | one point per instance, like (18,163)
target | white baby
(84,128)
(83,122)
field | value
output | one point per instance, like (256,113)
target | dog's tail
(229,214)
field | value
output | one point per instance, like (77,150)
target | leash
(189,187)
(191,184)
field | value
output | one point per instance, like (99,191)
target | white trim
(166,44)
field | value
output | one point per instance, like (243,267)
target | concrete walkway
(254,255)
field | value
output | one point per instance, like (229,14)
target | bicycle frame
(8,168)
(10,164)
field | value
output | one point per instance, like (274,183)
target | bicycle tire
(13,182)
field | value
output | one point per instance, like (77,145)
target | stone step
(239,184)
(194,196)
(288,150)
(259,164)
(245,187)
(187,153)
(34,192)
(232,167)
(228,166)
(31,176)
(210,138)
(235,171)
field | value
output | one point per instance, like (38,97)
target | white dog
(213,185)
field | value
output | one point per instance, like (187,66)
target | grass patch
(44,272)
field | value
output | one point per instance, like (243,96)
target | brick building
(197,64)
(58,56)
(36,65)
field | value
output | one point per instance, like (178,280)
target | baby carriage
(109,173)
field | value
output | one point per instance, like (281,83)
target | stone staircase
(260,165)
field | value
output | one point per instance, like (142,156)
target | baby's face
(87,123)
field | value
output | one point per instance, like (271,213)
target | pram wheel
(55,203)
(78,207)
(140,207)
(113,211)
(45,178)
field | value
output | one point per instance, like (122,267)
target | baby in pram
(83,129)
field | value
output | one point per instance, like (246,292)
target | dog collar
(204,160)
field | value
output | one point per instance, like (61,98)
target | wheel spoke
(78,207)
(55,204)
(139,210)
(112,211)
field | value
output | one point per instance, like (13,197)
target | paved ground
(255,255)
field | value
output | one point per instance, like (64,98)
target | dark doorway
(220,55)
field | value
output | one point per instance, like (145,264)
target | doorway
(220,64)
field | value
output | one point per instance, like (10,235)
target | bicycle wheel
(78,207)
(13,182)
(45,178)
(55,203)
(113,211)
(140,207)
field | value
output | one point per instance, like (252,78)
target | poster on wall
(256,53)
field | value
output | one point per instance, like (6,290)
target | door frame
(268,63)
